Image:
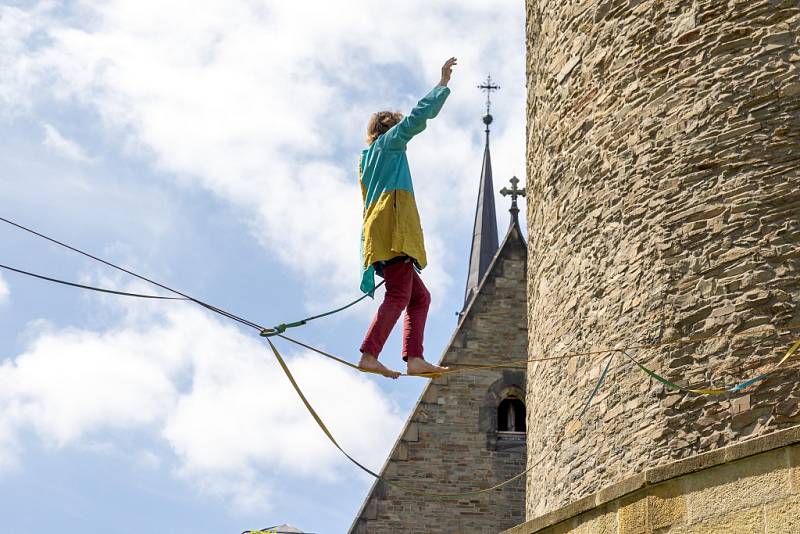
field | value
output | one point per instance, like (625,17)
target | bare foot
(418,366)
(370,364)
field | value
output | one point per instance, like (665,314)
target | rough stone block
(632,515)
(794,466)
(792,89)
(746,522)
(412,432)
(682,467)
(741,404)
(666,505)
(623,487)
(763,443)
(561,528)
(371,511)
(738,485)
(600,521)
(561,514)
(783,517)
(567,69)
(400,452)
(391,470)
(519,529)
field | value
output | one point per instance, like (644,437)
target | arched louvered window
(503,415)
(511,415)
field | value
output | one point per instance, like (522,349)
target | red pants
(404,291)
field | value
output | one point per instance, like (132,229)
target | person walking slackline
(392,245)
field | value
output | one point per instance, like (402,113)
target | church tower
(467,431)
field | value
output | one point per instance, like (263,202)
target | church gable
(496,313)
(464,433)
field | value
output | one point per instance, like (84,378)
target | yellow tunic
(391,221)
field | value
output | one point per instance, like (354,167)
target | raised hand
(447,70)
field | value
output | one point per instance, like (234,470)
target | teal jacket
(391,224)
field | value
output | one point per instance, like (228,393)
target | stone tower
(467,430)
(663,201)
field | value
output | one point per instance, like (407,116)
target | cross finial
(514,192)
(488,86)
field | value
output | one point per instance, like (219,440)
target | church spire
(484,232)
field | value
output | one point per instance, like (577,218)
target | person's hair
(380,123)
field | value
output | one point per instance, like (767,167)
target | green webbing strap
(715,391)
(596,386)
(281,328)
(444,496)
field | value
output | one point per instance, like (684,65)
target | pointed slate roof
(484,231)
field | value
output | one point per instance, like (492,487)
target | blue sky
(212,146)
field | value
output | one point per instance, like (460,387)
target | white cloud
(265,105)
(16,65)
(4,291)
(9,445)
(213,394)
(148,460)
(62,146)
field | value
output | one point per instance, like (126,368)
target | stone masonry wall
(448,444)
(746,488)
(663,201)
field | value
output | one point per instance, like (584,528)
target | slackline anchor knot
(281,328)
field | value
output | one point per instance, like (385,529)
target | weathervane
(488,86)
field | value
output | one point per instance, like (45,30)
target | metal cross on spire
(488,86)
(514,192)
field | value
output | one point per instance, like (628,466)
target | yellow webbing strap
(351,365)
(412,491)
(521,364)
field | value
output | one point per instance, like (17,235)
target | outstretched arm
(447,70)
(427,108)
